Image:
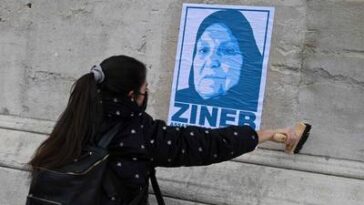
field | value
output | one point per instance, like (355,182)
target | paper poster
(221,62)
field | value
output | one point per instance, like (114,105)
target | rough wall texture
(315,71)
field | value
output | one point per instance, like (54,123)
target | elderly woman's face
(217,63)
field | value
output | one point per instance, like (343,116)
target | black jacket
(144,142)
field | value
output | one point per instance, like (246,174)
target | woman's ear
(131,95)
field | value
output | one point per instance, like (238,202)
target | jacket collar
(120,107)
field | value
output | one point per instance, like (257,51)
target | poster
(221,64)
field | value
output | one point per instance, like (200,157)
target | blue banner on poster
(220,70)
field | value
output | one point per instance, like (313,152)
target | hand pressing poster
(221,62)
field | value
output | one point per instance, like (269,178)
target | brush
(302,131)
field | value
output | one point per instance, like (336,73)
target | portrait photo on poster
(220,68)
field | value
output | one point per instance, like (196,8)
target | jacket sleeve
(171,146)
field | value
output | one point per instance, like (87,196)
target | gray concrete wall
(315,73)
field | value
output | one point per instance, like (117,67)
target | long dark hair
(248,85)
(80,121)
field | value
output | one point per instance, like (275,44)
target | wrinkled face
(217,63)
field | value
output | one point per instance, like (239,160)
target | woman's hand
(265,135)
(287,136)
(290,139)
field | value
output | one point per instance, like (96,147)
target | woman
(117,91)
(226,63)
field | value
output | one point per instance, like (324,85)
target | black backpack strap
(106,138)
(155,186)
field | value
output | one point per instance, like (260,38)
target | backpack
(86,181)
